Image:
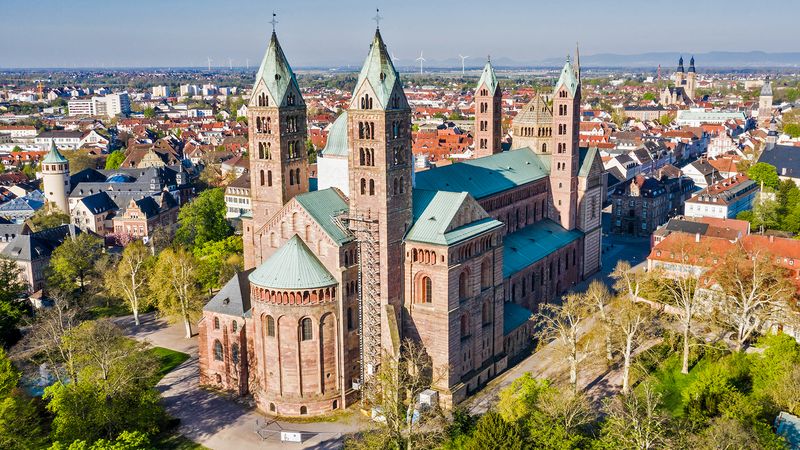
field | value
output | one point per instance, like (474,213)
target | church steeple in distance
(691,65)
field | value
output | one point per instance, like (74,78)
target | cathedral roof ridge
(275,71)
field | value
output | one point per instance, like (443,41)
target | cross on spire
(377,18)
(273,21)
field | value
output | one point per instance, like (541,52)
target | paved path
(221,422)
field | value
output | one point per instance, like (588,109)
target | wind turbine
(230,64)
(463,58)
(209,62)
(421,60)
(247,63)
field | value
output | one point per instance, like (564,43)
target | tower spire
(377,18)
(578,60)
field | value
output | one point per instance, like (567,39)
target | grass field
(168,359)
(670,382)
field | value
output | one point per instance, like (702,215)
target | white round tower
(55,178)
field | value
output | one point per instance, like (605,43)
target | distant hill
(669,60)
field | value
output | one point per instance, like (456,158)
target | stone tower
(691,81)
(679,74)
(55,178)
(533,126)
(379,124)
(564,163)
(488,109)
(277,133)
(765,102)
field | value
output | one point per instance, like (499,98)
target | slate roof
(324,206)
(536,112)
(482,177)
(98,203)
(275,72)
(586,158)
(337,138)
(532,243)
(149,180)
(785,158)
(293,266)
(234,298)
(38,245)
(514,316)
(489,78)
(379,72)
(434,211)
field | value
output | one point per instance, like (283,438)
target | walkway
(218,421)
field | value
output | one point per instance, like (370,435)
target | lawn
(168,360)
(670,382)
(114,309)
(175,441)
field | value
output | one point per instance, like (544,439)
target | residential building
(724,199)
(642,204)
(237,197)
(32,253)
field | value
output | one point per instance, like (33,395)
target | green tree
(127,440)
(492,432)
(113,389)
(649,96)
(764,173)
(217,261)
(149,113)
(75,260)
(203,219)
(12,308)
(175,285)
(48,217)
(129,279)
(20,426)
(665,120)
(115,159)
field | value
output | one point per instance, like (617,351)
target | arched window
(216,323)
(462,285)
(485,316)
(217,350)
(361,156)
(297,176)
(402,185)
(235,353)
(486,275)
(269,177)
(371,187)
(235,326)
(270,326)
(544,147)
(303,410)
(395,188)
(306,333)
(349,319)
(426,290)
(269,125)
(291,177)
(464,326)
(363,186)
(261,178)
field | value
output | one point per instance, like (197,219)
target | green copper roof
(482,177)
(337,137)
(323,206)
(433,214)
(293,266)
(488,76)
(379,72)
(276,73)
(587,156)
(514,315)
(54,156)
(532,243)
(568,78)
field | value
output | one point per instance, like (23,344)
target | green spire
(488,77)
(568,79)
(379,72)
(54,156)
(275,72)
(293,266)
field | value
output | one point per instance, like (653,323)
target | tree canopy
(764,173)
(203,219)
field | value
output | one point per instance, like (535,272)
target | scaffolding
(365,230)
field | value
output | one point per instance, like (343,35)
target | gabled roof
(482,177)
(379,72)
(275,72)
(33,246)
(536,112)
(568,78)
(434,212)
(324,206)
(54,156)
(293,266)
(337,137)
(234,298)
(98,203)
(489,78)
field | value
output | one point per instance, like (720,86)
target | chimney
(697,237)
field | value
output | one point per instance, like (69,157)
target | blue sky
(69,33)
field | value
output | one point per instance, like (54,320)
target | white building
(63,139)
(723,200)
(237,198)
(110,105)
(697,116)
(189,90)
(160,91)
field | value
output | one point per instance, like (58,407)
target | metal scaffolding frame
(365,231)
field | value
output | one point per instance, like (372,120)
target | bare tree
(752,291)
(572,409)
(600,298)
(562,323)
(46,336)
(631,324)
(129,280)
(394,390)
(635,421)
